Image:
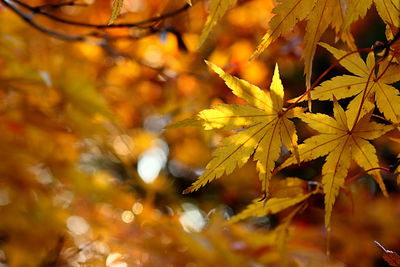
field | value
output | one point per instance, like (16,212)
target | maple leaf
(386,96)
(267,128)
(388,10)
(287,14)
(319,13)
(391,257)
(356,10)
(217,10)
(272,206)
(284,194)
(282,235)
(319,19)
(341,143)
(277,237)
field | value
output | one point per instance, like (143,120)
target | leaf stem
(366,86)
(381,118)
(324,74)
(367,171)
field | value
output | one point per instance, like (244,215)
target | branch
(55,6)
(28,19)
(367,171)
(323,75)
(377,47)
(100,34)
(141,24)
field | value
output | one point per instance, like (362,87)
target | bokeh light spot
(137,208)
(191,219)
(77,225)
(4,198)
(127,216)
(151,162)
(114,260)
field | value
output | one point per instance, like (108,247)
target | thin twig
(367,171)
(58,5)
(139,24)
(365,90)
(28,19)
(381,118)
(103,37)
(323,75)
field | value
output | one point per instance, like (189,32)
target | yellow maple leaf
(266,125)
(386,96)
(287,14)
(355,10)
(341,143)
(324,13)
(272,206)
(388,10)
(277,237)
(319,14)
(217,10)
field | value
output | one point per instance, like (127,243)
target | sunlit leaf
(217,10)
(268,128)
(287,14)
(341,142)
(271,206)
(365,85)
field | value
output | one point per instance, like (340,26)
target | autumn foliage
(199,133)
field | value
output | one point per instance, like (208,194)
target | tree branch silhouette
(100,30)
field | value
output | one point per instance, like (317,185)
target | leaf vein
(233,152)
